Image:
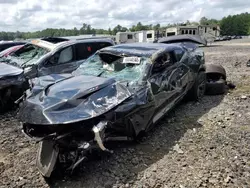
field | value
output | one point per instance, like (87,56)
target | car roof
(183,38)
(54,46)
(44,44)
(12,42)
(71,42)
(140,49)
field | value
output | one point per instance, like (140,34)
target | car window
(28,55)
(162,62)
(63,56)
(66,55)
(178,54)
(130,69)
(85,50)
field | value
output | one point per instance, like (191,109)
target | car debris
(248,63)
(216,79)
(116,94)
(40,58)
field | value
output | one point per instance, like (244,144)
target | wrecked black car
(116,94)
(40,58)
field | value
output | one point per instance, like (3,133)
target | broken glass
(112,66)
(27,55)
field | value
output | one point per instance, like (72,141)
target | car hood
(7,70)
(68,99)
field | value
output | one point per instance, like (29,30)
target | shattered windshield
(27,55)
(108,65)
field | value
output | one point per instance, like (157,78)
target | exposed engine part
(18,101)
(99,134)
(76,164)
(84,145)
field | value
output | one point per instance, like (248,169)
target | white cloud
(27,15)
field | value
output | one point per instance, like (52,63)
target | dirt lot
(204,144)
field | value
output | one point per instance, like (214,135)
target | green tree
(204,21)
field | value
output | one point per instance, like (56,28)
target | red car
(9,50)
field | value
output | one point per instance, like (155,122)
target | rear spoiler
(183,38)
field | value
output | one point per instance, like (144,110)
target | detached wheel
(199,87)
(216,87)
(216,79)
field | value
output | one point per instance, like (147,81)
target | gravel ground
(204,144)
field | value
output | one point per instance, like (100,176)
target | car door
(162,71)
(168,82)
(184,76)
(63,61)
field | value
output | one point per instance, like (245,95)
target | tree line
(231,25)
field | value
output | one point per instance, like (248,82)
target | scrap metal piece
(46,157)
(99,134)
(248,63)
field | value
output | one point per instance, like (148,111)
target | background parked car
(40,58)
(5,45)
(7,51)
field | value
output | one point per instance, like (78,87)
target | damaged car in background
(8,44)
(116,94)
(9,50)
(40,58)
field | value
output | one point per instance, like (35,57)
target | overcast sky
(30,15)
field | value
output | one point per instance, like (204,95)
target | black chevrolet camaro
(116,94)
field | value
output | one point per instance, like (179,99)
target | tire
(216,88)
(199,87)
(215,70)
